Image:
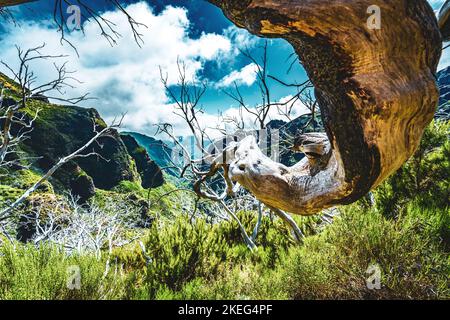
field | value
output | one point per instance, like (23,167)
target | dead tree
(107,28)
(81,228)
(375,88)
(261,116)
(10,155)
(209,173)
(79,153)
(260,112)
(11,110)
(29,88)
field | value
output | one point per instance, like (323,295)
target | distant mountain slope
(159,151)
(289,130)
(150,172)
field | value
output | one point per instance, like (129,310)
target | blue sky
(126,77)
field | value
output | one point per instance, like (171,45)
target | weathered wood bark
(376,91)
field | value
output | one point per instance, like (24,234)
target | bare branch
(4,214)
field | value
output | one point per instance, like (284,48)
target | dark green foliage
(185,250)
(425,177)
(333,264)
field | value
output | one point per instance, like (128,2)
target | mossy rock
(60,130)
(24,179)
(83,187)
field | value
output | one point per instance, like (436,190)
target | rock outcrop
(59,130)
(151,174)
(158,150)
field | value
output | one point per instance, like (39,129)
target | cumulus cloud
(125,78)
(241,38)
(246,76)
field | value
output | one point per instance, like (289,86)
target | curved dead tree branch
(375,88)
(108,29)
(7,3)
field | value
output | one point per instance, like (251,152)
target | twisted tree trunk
(376,91)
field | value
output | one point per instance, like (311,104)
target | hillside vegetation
(404,231)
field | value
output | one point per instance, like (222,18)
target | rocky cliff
(151,174)
(60,130)
(158,150)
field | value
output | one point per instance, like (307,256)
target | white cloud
(241,38)
(125,77)
(246,76)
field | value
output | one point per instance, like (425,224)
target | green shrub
(333,264)
(27,272)
(406,233)
(24,179)
(194,250)
(128,186)
(182,251)
(9,194)
(424,178)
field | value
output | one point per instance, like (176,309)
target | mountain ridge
(59,130)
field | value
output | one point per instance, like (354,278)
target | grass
(203,261)
(46,273)
(411,255)
(405,233)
